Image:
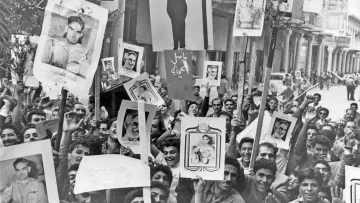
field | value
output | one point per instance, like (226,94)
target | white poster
(31,162)
(249,17)
(212,73)
(128,123)
(313,6)
(181,24)
(109,172)
(111,5)
(250,130)
(70,45)
(280,130)
(202,150)
(140,88)
(352,185)
(130,58)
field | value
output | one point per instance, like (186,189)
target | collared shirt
(230,197)
(33,191)
(106,149)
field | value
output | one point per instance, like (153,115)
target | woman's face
(206,140)
(113,131)
(193,109)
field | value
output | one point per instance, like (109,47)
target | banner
(179,74)
(313,6)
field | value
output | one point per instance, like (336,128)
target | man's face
(349,128)
(161,177)
(72,177)
(212,72)
(83,198)
(245,151)
(280,131)
(132,129)
(104,78)
(163,109)
(22,170)
(36,118)
(152,80)
(316,99)
(31,135)
(55,114)
(9,137)
(103,131)
(77,134)
(320,151)
(80,111)
(78,153)
(266,153)
(137,200)
(309,190)
(130,62)
(340,130)
(293,182)
(155,127)
(217,106)
(288,86)
(322,115)
(74,33)
(234,99)
(230,177)
(273,104)
(193,108)
(311,134)
(158,195)
(324,171)
(172,156)
(229,106)
(108,67)
(354,107)
(263,180)
(113,130)
(196,91)
(350,115)
(69,98)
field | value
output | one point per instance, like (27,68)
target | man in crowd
(229,106)
(10,135)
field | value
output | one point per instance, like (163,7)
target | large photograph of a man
(130,57)
(280,130)
(181,24)
(212,73)
(70,44)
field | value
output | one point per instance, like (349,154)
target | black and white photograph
(70,44)
(181,24)
(202,148)
(280,130)
(140,88)
(27,174)
(212,73)
(108,65)
(249,17)
(130,58)
(128,122)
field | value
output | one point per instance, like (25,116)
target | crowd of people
(312,171)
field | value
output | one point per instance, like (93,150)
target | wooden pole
(264,96)
(243,42)
(61,118)
(252,63)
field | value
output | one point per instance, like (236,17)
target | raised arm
(237,126)
(300,145)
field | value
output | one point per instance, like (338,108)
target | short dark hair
(35,112)
(111,121)
(196,86)
(12,127)
(350,110)
(246,140)
(274,99)
(310,173)
(28,127)
(235,95)
(227,100)
(324,162)
(168,102)
(268,145)
(324,109)
(226,114)
(265,164)
(79,142)
(232,161)
(105,121)
(317,94)
(161,186)
(313,127)
(170,142)
(76,19)
(162,168)
(322,140)
(20,160)
(132,195)
(216,99)
(74,167)
(92,99)
(191,103)
(354,104)
(73,104)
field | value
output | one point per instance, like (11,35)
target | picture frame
(249,18)
(108,64)
(202,150)
(130,58)
(41,172)
(212,73)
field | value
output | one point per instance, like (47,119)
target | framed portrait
(130,58)
(128,124)
(108,65)
(70,44)
(140,88)
(280,130)
(31,163)
(181,24)
(212,73)
(352,184)
(202,150)
(249,17)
